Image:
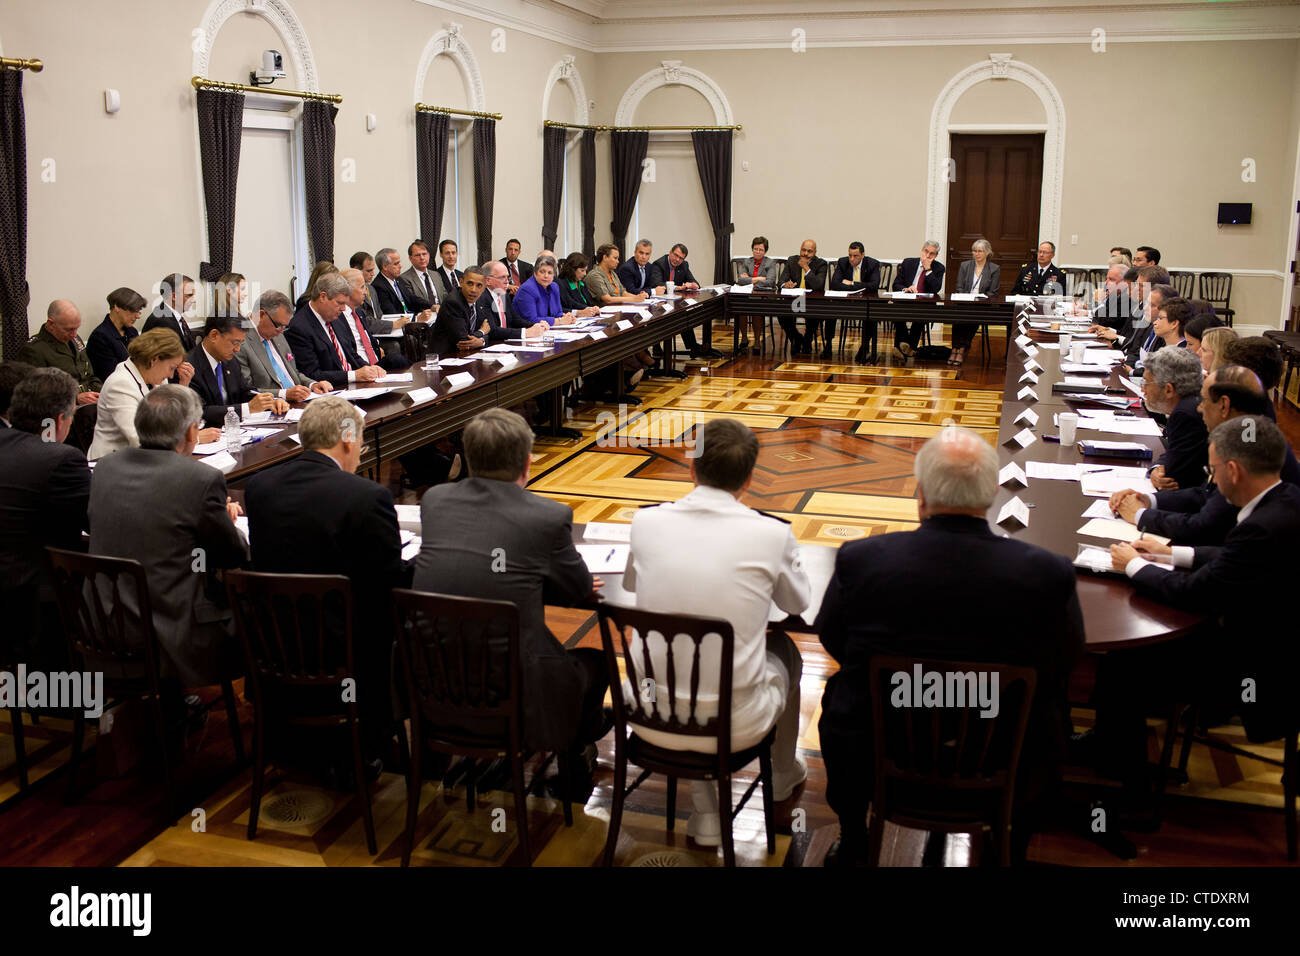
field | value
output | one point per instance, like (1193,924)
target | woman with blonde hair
(1212,344)
(152,358)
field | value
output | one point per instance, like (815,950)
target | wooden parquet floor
(836,448)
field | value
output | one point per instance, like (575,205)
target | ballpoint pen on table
(610,556)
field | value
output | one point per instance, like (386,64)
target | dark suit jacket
(1028,281)
(314,352)
(816,280)
(844,270)
(907,271)
(1003,601)
(464,525)
(107,347)
(525,269)
(660,268)
(415,292)
(308,516)
(165,317)
(990,278)
(573,299)
(1115,312)
(44,493)
(187,510)
(1186,444)
(515,323)
(629,273)
(456,320)
(205,383)
(389,301)
(1243,581)
(447,286)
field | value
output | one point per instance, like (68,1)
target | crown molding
(597,26)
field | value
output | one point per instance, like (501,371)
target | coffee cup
(1068,423)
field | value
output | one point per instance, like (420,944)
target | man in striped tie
(322,345)
(362,326)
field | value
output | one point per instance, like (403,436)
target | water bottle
(230,430)
(548,336)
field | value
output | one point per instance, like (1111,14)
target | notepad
(1095,559)
(408,517)
(1116,530)
(1105,485)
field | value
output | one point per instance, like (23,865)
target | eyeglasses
(279,325)
(1209,472)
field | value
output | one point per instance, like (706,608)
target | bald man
(57,345)
(804,271)
(1002,600)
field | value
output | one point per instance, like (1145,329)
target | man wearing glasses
(265,358)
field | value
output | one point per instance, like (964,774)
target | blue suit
(536,303)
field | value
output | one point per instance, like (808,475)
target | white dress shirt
(1181,556)
(709,555)
(121,395)
(213,363)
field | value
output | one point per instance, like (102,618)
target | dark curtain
(431,172)
(485,182)
(589,193)
(713,157)
(221,121)
(14,294)
(627,149)
(318,167)
(553,139)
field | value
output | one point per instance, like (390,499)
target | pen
(254,441)
(610,556)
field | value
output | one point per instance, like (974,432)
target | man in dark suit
(518,271)
(856,272)
(363,327)
(460,322)
(44,492)
(1251,665)
(1115,308)
(922,275)
(496,307)
(1042,277)
(395,296)
(1200,514)
(177,292)
(1171,385)
(188,514)
(1003,601)
(807,270)
(448,276)
(486,537)
(322,346)
(366,263)
(636,273)
(675,269)
(217,376)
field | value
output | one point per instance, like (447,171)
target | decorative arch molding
(999,66)
(672,73)
(282,18)
(565,70)
(451,43)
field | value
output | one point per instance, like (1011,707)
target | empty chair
(886,275)
(949,769)
(1076,281)
(1216,288)
(297,635)
(464,692)
(1184,284)
(711,723)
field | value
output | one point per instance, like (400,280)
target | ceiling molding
(595,26)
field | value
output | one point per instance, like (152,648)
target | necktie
(397,287)
(803,275)
(371,358)
(221,383)
(338,349)
(671,270)
(514,274)
(280,372)
(642,270)
(428,288)
(920,279)
(857,273)
(501,311)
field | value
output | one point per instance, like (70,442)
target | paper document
(408,518)
(1134,385)
(241,525)
(625,324)
(1116,530)
(604,558)
(607,531)
(741,290)
(1104,446)
(1084,368)
(795,291)
(362,394)
(966,296)
(1098,509)
(1105,485)
(270,418)
(398,378)
(1095,559)
(1050,470)
(411,548)
(224,462)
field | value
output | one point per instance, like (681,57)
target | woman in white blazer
(979,275)
(152,358)
(760,270)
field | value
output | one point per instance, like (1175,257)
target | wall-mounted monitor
(1234,213)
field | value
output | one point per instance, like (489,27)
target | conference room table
(1115,615)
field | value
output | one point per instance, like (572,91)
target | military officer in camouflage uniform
(1042,278)
(57,345)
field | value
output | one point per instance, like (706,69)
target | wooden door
(996,194)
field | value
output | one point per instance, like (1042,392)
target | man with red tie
(517,270)
(322,345)
(356,316)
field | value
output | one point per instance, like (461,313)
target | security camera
(272,69)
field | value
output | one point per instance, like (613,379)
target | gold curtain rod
(200,83)
(426,108)
(630,129)
(18,63)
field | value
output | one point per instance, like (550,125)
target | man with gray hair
(182,538)
(998,599)
(487,537)
(265,359)
(921,275)
(322,344)
(44,489)
(363,328)
(1171,386)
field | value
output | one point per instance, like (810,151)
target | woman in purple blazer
(538,299)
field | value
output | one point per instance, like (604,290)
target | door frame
(273,113)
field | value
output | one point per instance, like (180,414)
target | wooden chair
(464,689)
(886,276)
(1289,342)
(1216,288)
(1077,281)
(415,341)
(947,769)
(297,635)
(1098,277)
(16,720)
(674,764)
(765,324)
(1184,284)
(108,618)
